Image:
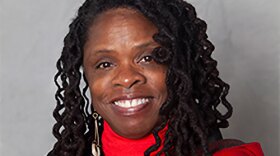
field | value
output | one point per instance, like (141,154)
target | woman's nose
(128,77)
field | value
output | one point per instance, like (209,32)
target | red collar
(115,145)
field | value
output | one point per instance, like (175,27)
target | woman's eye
(104,65)
(147,59)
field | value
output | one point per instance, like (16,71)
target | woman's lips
(131,102)
(128,107)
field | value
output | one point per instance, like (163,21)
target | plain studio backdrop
(247,39)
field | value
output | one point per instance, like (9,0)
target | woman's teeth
(131,103)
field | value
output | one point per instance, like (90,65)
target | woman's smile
(127,86)
(131,104)
(127,109)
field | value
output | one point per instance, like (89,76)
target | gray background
(247,39)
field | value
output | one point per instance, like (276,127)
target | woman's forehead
(121,25)
(120,16)
(121,11)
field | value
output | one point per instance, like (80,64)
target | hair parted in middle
(195,90)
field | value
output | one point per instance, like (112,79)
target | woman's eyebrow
(98,52)
(102,51)
(145,45)
(140,46)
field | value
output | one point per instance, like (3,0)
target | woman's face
(127,86)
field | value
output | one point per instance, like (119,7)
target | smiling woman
(127,86)
(153,84)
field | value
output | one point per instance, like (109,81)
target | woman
(153,84)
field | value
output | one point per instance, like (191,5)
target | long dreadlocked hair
(194,89)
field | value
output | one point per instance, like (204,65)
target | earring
(96,145)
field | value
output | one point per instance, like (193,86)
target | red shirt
(250,149)
(115,145)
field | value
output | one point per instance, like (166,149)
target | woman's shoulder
(231,147)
